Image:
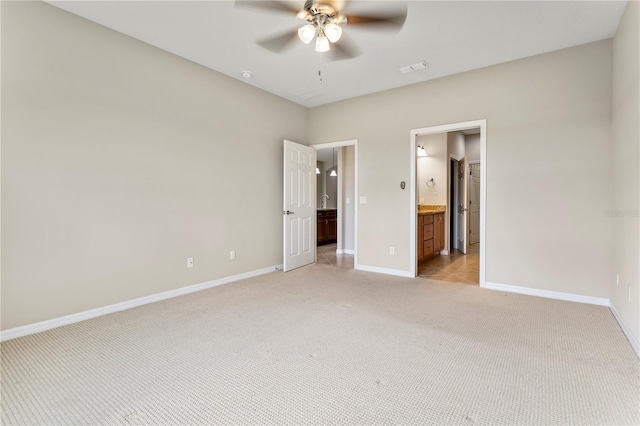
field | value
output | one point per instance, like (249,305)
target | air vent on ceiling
(307,93)
(414,67)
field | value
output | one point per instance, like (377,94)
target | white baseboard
(345,251)
(395,272)
(601,301)
(630,337)
(25,330)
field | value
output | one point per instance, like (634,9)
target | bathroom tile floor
(327,255)
(455,267)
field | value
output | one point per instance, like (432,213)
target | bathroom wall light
(421,151)
(317,171)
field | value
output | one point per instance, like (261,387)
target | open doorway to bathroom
(336,215)
(448,214)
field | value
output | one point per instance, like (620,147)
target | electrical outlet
(363,200)
(232,255)
(190,262)
(348,200)
(421,200)
(392,250)
(617,279)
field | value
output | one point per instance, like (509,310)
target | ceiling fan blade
(389,21)
(273,5)
(343,49)
(338,5)
(280,42)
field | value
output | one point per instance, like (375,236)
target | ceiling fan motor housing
(321,14)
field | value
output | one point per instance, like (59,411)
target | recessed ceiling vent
(414,67)
(307,93)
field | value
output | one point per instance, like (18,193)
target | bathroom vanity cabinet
(327,226)
(430,235)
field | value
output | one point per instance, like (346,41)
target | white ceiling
(451,36)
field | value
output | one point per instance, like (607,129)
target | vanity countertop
(424,209)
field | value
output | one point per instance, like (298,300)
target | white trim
(632,340)
(396,272)
(37,327)
(413,134)
(444,252)
(549,294)
(345,251)
(338,144)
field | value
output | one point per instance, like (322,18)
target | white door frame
(339,144)
(445,128)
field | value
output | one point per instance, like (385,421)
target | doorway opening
(337,192)
(447,239)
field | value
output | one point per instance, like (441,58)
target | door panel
(461,205)
(474,203)
(299,205)
(463,202)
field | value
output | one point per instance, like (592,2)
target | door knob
(288,212)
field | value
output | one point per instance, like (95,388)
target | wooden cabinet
(327,226)
(420,237)
(430,235)
(438,232)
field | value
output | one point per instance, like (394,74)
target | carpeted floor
(328,345)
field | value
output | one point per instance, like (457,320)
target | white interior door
(299,210)
(474,203)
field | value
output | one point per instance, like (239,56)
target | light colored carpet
(327,345)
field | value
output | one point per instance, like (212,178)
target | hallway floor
(456,267)
(327,255)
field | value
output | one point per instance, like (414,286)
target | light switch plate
(363,200)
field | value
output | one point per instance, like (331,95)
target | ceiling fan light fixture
(306,33)
(322,43)
(333,32)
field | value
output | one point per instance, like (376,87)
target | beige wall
(549,122)
(455,145)
(113,153)
(626,176)
(472,147)
(347,161)
(433,166)
(120,160)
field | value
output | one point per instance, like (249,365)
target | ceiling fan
(323,23)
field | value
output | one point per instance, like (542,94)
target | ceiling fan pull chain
(320,76)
